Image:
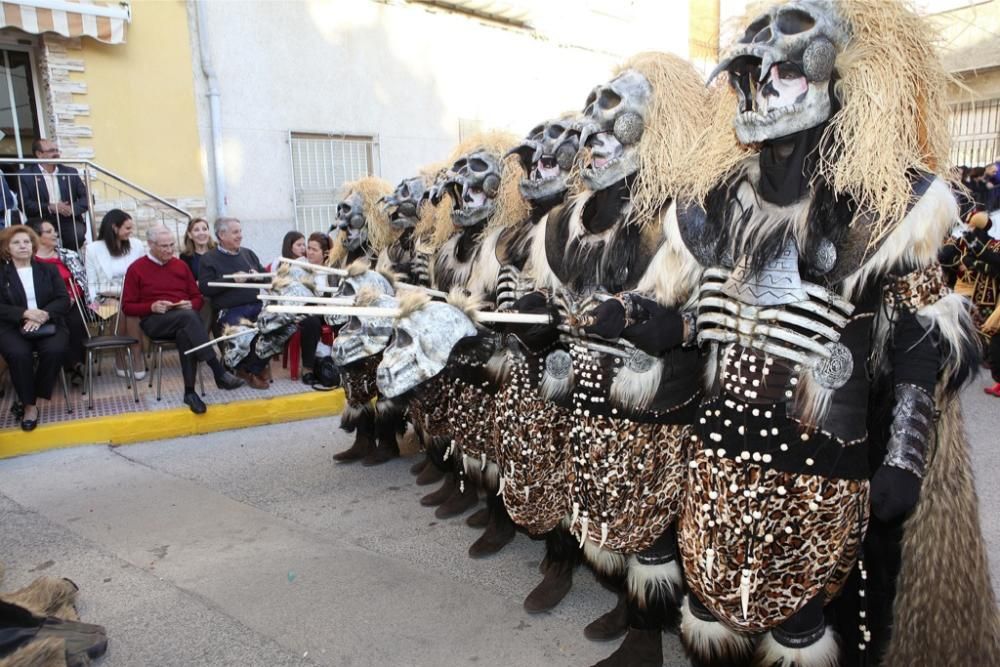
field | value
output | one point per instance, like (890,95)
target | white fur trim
(485,272)
(636,390)
(603,560)
(645,581)
(916,239)
(537,267)
(488,478)
(708,641)
(673,274)
(498,367)
(384,264)
(825,652)
(351,412)
(554,389)
(951,318)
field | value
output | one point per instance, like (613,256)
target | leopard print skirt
(784,537)
(531,452)
(626,480)
(428,410)
(473,429)
(358,380)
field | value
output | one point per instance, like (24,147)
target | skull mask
(613,123)
(403,205)
(781,70)
(351,221)
(352,286)
(547,156)
(363,337)
(421,346)
(474,183)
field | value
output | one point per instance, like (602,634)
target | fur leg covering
(47,596)
(500,529)
(362,423)
(49,652)
(709,643)
(823,651)
(654,591)
(390,423)
(562,555)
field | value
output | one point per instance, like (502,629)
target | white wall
(403,72)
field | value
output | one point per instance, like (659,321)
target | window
(19,121)
(975,130)
(321,164)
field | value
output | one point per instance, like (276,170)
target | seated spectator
(311,327)
(160,290)
(74,276)
(33,308)
(108,258)
(293,246)
(55,193)
(197,241)
(234,304)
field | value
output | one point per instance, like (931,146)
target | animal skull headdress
(351,221)
(474,183)
(364,337)
(403,205)
(423,342)
(614,119)
(547,155)
(781,69)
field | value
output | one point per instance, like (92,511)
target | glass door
(19,122)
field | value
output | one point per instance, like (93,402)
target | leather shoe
(193,401)
(228,381)
(255,381)
(28,424)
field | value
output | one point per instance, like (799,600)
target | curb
(132,427)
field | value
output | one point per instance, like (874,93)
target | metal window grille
(321,164)
(975,132)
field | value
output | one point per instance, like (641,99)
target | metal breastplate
(777,313)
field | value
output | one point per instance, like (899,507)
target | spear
(372,311)
(220,339)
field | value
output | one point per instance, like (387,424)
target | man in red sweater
(160,289)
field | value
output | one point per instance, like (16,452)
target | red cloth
(71,287)
(146,282)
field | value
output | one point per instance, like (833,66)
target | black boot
(562,554)
(610,625)
(390,422)
(460,501)
(363,443)
(500,529)
(419,466)
(431,474)
(479,518)
(448,487)
(641,648)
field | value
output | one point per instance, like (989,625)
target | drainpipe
(215,122)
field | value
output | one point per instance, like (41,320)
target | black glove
(894,493)
(535,336)
(661,330)
(607,320)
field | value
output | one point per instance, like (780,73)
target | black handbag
(44,331)
(327,374)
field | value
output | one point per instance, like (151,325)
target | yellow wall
(142,105)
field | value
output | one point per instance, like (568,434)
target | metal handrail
(98,168)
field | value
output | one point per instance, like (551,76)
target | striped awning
(103,21)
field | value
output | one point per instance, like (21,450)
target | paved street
(252,548)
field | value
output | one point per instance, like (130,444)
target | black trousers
(31,382)
(311,331)
(186,329)
(77,334)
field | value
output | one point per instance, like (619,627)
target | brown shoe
(266,373)
(253,380)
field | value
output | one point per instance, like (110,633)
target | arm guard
(912,429)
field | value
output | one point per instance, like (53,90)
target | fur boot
(500,529)
(463,498)
(709,643)
(611,624)
(774,651)
(362,422)
(447,488)
(562,555)
(641,648)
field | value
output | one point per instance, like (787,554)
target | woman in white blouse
(108,258)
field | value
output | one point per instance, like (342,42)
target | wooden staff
(315,267)
(241,285)
(370,311)
(248,276)
(334,301)
(221,339)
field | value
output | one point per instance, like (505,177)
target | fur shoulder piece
(465,302)
(358,267)
(367,296)
(411,302)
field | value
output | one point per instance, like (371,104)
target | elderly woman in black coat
(33,307)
